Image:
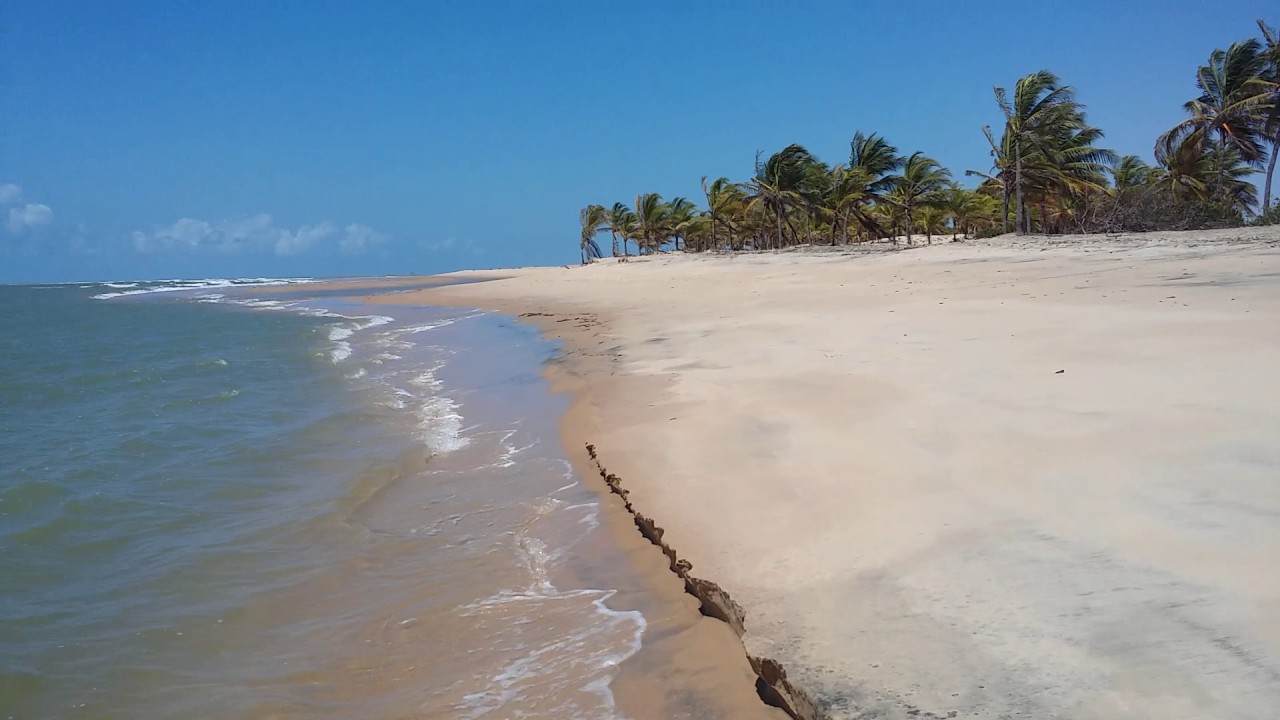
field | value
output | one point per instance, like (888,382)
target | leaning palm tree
(1191,172)
(920,184)
(931,219)
(1067,171)
(724,204)
(679,212)
(1130,172)
(876,157)
(779,186)
(872,161)
(1270,87)
(1001,174)
(619,217)
(696,230)
(1041,107)
(846,195)
(963,207)
(592,218)
(1230,109)
(629,230)
(651,222)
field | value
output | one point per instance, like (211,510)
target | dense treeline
(1048,174)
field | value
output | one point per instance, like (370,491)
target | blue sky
(143,140)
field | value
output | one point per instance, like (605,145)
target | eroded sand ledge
(880,458)
(772,684)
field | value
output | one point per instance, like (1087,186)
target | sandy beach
(1014,477)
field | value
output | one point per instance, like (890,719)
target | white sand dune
(1031,478)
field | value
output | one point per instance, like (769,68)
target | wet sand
(989,478)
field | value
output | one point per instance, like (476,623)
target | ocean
(220,500)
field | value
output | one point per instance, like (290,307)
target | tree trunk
(615,242)
(1271,169)
(909,221)
(1004,203)
(1021,210)
(777,215)
(1222,156)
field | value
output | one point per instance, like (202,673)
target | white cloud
(29,217)
(23,217)
(256,233)
(436,245)
(10,194)
(185,234)
(307,237)
(357,238)
(451,243)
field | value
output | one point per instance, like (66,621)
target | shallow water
(216,504)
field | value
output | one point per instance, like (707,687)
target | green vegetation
(1048,174)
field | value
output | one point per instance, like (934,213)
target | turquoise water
(217,502)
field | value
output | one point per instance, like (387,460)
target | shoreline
(576,374)
(690,663)
(912,404)
(634,532)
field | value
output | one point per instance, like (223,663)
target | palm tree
(723,199)
(964,207)
(1270,82)
(1001,172)
(891,211)
(679,212)
(1193,173)
(619,217)
(931,219)
(1230,108)
(630,230)
(592,218)
(846,194)
(872,161)
(876,157)
(651,214)
(1130,172)
(696,230)
(778,185)
(919,185)
(1068,172)
(1041,108)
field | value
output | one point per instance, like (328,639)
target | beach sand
(1016,477)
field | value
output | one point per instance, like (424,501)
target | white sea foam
(582,658)
(340,351)
(510,450)
(440,424)
(339,332)
(161,286)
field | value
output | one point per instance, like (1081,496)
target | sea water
(222,502)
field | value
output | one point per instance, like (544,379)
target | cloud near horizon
(23,218)
(257,233)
